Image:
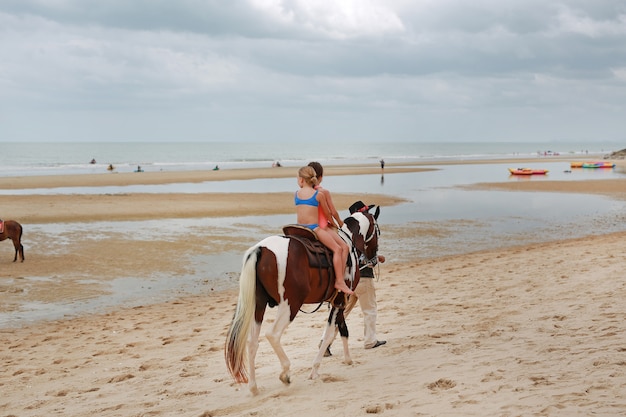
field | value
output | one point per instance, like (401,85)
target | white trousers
(366,293)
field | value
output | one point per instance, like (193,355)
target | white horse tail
(237,337)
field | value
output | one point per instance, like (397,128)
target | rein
(316,308)
(368,263)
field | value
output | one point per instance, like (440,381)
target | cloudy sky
(327,70)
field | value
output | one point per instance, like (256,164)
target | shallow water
(465,221)
(393,184)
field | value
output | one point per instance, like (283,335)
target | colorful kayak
(600,164)
(527,171)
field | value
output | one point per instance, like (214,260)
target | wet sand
(530,330)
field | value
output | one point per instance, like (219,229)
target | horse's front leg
(327,339)
(336,321)
(343,332)
(273,336)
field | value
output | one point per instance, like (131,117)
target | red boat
(527,171)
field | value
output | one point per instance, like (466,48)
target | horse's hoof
(314,374)
(285,378)
(348,361)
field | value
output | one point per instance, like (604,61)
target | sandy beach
(530,330)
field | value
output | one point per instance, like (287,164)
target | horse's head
(363,229)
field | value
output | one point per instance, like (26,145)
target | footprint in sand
(441,384)
(121,378)
(377,409)
(331,378)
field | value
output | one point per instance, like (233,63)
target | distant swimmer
(93,161)
(217,168)
(110,167)
(139,169)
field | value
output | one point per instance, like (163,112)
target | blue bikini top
(311,201)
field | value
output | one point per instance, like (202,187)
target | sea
(449,218)
(61,158)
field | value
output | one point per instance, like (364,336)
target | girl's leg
(343,246)
(344,250)
(326,237)
(340,268)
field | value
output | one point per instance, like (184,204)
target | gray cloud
(270,69)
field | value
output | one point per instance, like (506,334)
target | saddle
(1,226)
(319,255)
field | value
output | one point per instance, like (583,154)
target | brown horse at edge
(13,230)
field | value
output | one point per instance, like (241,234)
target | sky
(313,70)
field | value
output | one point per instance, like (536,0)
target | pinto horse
(277,272)
(13,230)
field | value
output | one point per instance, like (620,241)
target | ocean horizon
(68,158)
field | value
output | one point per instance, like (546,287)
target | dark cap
(359,206)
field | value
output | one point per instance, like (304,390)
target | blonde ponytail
(307,173)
